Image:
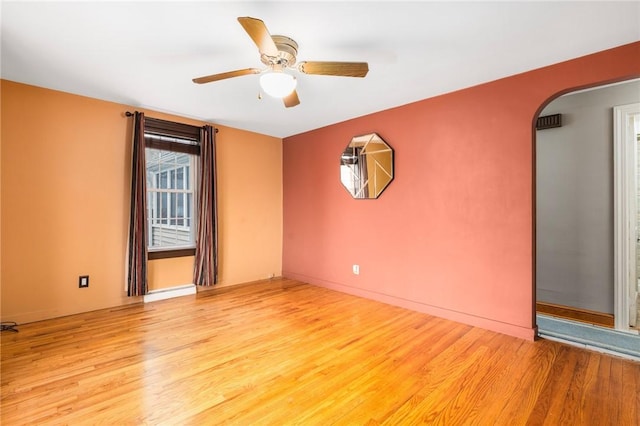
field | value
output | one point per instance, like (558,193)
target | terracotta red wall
(453,233)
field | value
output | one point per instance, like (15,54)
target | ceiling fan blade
(343,69)
(259,33)
(224,75)
(291,99)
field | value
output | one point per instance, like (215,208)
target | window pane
(163,180)
(150,179)
(153,167)
(183,159)
(180,210)
(169,199)
(164,211)
(180,178)
(189,204)
(152,202)
(172,209)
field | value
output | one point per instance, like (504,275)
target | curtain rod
(130,114)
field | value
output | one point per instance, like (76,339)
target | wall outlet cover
(83,281)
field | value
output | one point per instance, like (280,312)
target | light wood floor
(282,352)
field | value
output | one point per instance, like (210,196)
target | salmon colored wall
(452,235)
(65,195)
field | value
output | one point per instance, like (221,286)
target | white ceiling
(145,54)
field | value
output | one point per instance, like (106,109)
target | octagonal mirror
(366,166)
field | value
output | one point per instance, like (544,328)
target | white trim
(168,293)
(624,156)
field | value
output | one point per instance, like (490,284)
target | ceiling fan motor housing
(287,52)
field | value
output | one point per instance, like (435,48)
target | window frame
(171,136)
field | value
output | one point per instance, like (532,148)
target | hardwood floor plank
(349,405)
(532,376)
(550,403)
(599,398)
(573,393)
(473,385)
(282,352)
(630,394)
(439,374)
(488,394)
(402,384)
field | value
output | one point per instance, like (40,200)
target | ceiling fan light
(277,84)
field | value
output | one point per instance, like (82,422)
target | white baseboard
(168,293)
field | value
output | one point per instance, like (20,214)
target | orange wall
(170,272)
(65,163)
(452,235)
(249,206)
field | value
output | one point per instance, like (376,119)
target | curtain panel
(206,258)
(137,262)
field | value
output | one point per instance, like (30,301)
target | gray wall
(574,205)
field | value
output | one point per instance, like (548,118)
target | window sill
(165,254)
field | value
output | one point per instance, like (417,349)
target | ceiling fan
(279,53)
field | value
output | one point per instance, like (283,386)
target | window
(171,168)
(169,198)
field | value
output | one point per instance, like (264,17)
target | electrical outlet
(83,281)
(356,269)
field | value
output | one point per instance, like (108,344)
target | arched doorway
(577,255)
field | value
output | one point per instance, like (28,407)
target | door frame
(625,213)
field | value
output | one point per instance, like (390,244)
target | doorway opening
(587,271)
